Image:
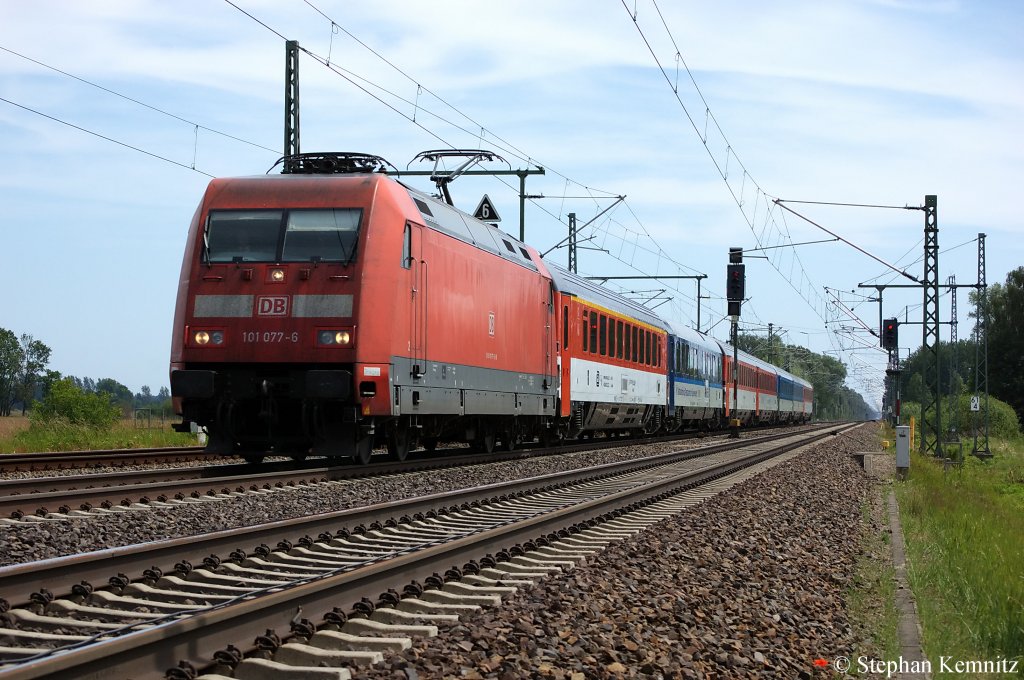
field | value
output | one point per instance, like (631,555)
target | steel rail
(43,495)
(152,650)
(72,459)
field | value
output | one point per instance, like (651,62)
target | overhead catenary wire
(104,137)
(820,306)
(730,153)
(136,101)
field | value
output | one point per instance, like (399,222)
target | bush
(1002,419)
(66,403)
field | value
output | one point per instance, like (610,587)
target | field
(12,425)
(16,436)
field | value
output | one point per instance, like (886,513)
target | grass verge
(871,597)
(964,530)
(63,436)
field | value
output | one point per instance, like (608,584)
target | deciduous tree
(10,362)
(34,357)
(1006,340)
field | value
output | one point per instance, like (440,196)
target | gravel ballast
(31,541)
(748,584)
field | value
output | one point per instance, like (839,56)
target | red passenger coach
(331,308)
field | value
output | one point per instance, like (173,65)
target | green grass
(64,436)
(965,544)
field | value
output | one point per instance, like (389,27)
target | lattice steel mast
(931,409)
(981,356)
(954,398)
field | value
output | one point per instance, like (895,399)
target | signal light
(890,334)
(735,282)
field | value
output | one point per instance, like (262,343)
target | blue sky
(854,101)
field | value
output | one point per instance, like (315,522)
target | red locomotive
(326,310)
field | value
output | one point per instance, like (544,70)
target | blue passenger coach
(695,395)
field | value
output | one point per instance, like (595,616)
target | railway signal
(890,334)
(735,279)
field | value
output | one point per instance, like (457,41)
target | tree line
(958,361)
(25,379)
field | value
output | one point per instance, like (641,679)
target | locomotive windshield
(307,235)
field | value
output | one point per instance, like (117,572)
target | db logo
(272,306)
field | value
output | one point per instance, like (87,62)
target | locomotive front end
(265,341)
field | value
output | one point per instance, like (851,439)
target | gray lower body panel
(431,387)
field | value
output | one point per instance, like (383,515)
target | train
(331,309)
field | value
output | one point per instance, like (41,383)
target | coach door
(414,261)
(550,384)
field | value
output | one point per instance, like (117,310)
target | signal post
(890,341)
(734,288)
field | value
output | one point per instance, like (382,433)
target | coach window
(658,345)
(565,327)
(586,331)
(593,332)
(611,337)
(629,334)
(603,340)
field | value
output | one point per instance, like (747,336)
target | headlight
(277,275)
(334,338)
(208,337)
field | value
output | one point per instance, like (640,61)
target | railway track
(208,595)
(78,495)
(62,460)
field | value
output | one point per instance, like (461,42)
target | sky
(700,114)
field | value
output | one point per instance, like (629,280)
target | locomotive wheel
(253,457)
(363,450)
(398,442)
(487,441)
(429,444)
(510,437)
